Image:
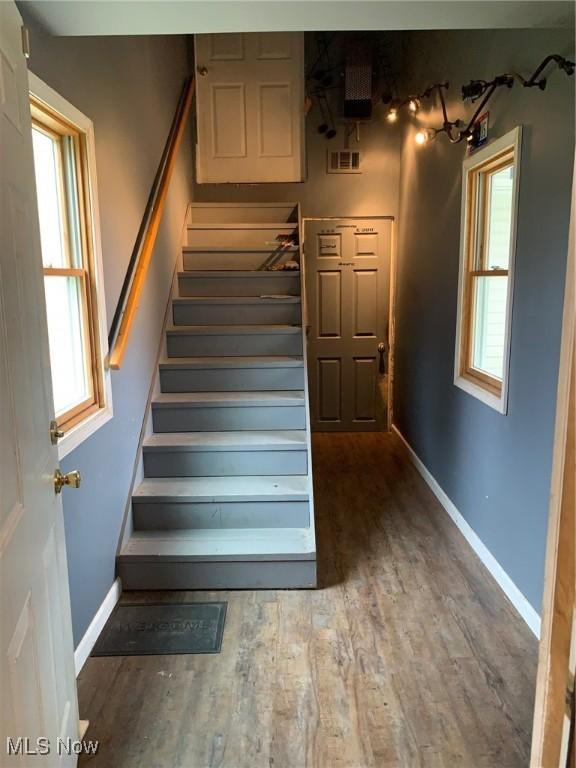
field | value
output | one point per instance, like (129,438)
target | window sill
(83,431)
(497,402)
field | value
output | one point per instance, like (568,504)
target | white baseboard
(504,581)
(96,625)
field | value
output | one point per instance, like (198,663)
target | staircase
(225,501)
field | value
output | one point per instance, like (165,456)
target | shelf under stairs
(226,498)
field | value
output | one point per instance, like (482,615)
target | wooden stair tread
(261,361)
(292,225)
(272,248)
(228,399)
(221,544)
(227,488)
(232,273)
(264,299)
(284,440)
(258,361)
(242,330)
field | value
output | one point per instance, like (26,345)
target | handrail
(137,270)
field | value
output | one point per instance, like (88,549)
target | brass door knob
(202,71)
(71,479)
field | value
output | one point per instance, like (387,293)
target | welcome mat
(137,629)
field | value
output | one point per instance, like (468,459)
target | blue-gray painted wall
(495,468)
(129,87)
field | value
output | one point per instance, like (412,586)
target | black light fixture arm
(565,64)
(477,89)
(447,124)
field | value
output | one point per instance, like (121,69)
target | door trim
(550,733)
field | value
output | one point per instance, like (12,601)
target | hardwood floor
(407,655)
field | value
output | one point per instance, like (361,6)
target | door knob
(382,362)
(202,71)
(71,479)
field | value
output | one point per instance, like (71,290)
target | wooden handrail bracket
(153,215)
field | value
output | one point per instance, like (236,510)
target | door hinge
(26,42)
(569,701)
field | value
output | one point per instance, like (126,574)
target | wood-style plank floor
(407,655)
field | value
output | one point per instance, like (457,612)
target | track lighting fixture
(475,90)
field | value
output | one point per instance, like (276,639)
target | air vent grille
(344,161)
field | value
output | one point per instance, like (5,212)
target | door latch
(55,433)
(382,361)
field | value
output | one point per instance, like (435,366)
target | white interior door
(250,107)
(37,679)
(348,287)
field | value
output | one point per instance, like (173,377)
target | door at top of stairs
(250,107)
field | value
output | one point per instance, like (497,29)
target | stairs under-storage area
(225,501)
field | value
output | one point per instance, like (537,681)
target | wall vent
(343,161)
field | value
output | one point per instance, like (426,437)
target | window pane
(489,324)
(67,359)
(499,218)
(72,204)
(46,163)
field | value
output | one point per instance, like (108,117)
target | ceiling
(145,17)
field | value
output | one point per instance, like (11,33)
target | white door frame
(551,726)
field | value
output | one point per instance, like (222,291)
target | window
(62,140)
(489,204)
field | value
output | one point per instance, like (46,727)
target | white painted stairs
(226,498)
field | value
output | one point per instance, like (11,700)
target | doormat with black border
(141,629)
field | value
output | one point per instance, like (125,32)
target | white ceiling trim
(146,17)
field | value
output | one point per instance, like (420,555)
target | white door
(37,679)
(250,107)
(348,287)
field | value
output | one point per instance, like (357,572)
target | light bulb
(392,115)
(414,104)
(423,136)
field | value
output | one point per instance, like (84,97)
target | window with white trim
(64,162)
(487,249)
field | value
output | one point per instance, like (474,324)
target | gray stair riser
(243,260)
(239,238)
(231,379)
(234,345)
(271,284)
(181,463)
(246,514)
(279,574)
(231,418)
(243,314)
(234,213)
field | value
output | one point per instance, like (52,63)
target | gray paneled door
(348,288)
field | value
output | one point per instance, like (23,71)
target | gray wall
(495,468)
(372,193)
(129,87)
